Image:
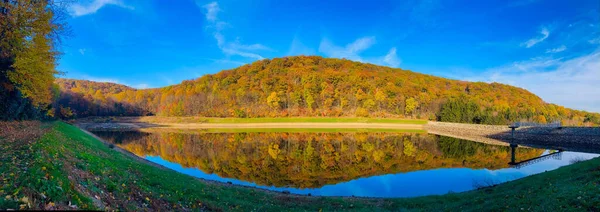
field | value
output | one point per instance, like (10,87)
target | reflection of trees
(310,160)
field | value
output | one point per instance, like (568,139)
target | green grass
(37,170)
(314,120)
(287,120)
(293,130)
(574,187)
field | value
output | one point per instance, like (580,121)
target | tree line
(313,160)
(279,87)
(316,86)
(29,32)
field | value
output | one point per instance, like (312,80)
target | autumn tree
(316,86)
(273,100)
(380,97)
(540,119)
(411,105)
(28,34)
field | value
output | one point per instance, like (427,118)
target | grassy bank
(67,165)
(194,119)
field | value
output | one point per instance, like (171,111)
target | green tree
(411,105)
(310,101)
(461,110)
(369,104)
(409,148)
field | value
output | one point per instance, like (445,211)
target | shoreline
(580,139)
(213,182)
(583,139)
(279,194)
(101,166)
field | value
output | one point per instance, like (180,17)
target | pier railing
(556,156)
(533,124)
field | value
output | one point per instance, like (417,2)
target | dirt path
(295,125)
(139,125)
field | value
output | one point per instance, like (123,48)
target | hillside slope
(316,86)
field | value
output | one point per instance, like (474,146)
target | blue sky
(548,47)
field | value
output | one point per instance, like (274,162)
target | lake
(365,164)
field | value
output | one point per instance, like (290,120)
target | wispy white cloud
(391,58)
(298,48)
(532,42)
(251,47)
(212,9)
(229,48)
(350,51)
(234,51)
(557,49)
(572,82)
(113,80)
(91,7)
(82,51)
(141,86)
(167,79)
(526,66)
(361,44)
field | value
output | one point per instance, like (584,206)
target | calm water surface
(373,164)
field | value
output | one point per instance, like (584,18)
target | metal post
(513,134)
(513,148)
(513,144)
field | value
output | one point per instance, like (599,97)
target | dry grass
(23,131)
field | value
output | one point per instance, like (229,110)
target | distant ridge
(316,86)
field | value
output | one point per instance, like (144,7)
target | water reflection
(332,164)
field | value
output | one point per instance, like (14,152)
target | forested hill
(316,86)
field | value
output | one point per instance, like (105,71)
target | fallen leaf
(49,206)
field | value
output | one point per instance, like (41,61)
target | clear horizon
(550,48)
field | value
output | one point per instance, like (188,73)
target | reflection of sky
(417,183)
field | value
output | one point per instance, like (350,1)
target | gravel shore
(582,139)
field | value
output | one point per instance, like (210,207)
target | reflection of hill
(311,160)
